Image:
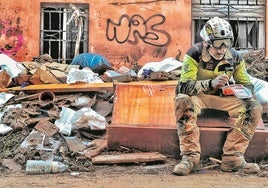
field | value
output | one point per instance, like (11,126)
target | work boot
(238,164)
(185,167)
(238,140)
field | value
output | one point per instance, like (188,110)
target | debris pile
(63,127)
(83,70)
(257,65)
(41,131)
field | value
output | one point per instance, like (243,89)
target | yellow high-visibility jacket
(199,68)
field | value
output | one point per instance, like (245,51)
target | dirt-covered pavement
(134,176)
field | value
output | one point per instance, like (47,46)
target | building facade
(126,32)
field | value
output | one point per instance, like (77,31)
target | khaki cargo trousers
(248,113)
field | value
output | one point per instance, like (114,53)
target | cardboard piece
(5,79)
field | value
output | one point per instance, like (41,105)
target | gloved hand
(219,81)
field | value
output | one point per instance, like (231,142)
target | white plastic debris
(64,123)
(126,71)
(4,129)
(166,65)
(83,118)
(87,116)
(4,97)
(85,75)
(75,174)
(82,101)
(12,67)
(260,90)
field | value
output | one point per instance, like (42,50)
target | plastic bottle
(53,157)
(42,167)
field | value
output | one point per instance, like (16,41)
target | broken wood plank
(63,88)
(11,164)
(26,97)
(100,145)
(74,144)
(46,127)
(129,158)
(215,160)
(210,167)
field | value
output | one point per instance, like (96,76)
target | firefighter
(207,67)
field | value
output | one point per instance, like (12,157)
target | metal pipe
(47,96)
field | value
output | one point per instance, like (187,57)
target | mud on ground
(134,176)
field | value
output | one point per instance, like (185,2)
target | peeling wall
(167,21)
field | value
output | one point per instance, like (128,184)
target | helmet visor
(222,42)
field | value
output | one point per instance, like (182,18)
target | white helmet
(216,29)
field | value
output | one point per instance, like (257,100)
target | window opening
(64,30)
(246,18)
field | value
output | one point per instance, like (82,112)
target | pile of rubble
(257,64)
(38,129)
(68,127)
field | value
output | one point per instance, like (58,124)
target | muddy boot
(238,164)
(183,168)
(188,134)
(186,166)
(238,140)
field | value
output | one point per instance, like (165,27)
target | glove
(219,81)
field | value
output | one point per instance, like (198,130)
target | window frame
(246,17)
(60,43)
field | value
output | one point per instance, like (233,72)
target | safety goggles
(222,43)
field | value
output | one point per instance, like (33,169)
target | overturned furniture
(143,119)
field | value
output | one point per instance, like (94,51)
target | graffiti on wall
(136,28)
(11,37)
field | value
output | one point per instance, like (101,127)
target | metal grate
(245,16)
(60,29)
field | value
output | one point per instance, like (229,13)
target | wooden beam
(61,88)
(129,158)
(100,145)
(64,88)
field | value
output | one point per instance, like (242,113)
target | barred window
(64,30)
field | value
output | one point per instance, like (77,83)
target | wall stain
(11,37)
